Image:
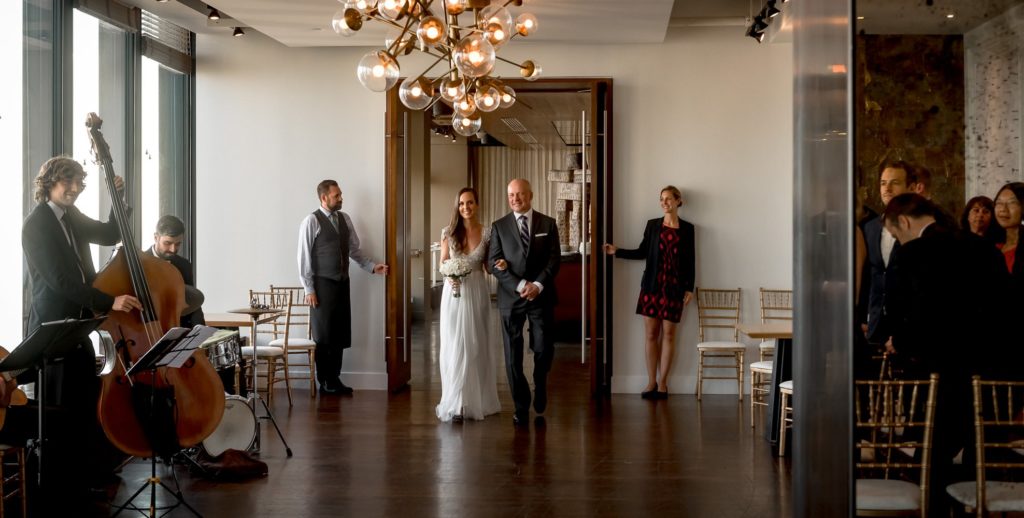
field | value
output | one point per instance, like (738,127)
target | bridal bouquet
(455,268)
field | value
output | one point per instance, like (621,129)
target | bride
(468,384)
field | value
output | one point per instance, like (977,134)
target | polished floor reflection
(371,455)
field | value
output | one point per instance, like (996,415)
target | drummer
(170,232)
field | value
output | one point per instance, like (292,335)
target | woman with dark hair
(1008,215)
(666,287)
(468,381)
(977,218)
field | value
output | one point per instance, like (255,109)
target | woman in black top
(666,287)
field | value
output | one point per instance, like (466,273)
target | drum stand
(254,393)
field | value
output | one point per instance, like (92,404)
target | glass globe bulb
(526,24)
(416,94)
(496,22)
(508,97)
(474,55)
(377,71)
(430,31)
(455,7)
(530,70)
(347,21)
(496,34)
(466,126)
(452,90)
(391,9)
(465,106)
(362,5)
(487,98)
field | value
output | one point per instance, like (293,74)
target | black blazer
(876,279)
(648,250)
(185,268)
(57,288)
(541,266)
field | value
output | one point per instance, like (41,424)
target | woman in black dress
(666,287)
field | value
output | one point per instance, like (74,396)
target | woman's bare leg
(668,347)
(652,347)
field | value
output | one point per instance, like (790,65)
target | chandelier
(469,52)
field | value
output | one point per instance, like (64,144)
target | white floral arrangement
(455,269)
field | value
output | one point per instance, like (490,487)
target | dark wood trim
(397,346)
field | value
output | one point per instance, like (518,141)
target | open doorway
(557,135)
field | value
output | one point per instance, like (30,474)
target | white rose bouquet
(455,269)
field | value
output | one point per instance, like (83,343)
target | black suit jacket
(876,279)
(649,251)
(58,291)
(545,257)
(185,268)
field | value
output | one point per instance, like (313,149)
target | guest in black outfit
(55,238)
(1008,215)
(977,218)
(666,287)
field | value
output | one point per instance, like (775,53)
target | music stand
(254,395)
(49,343)
(172,351)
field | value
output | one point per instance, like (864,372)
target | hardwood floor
(374,455)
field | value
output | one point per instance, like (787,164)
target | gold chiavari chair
(271,358)
(776,306)
(719,309)
(894,426)
(296,335)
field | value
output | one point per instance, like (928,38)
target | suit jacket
(58,291)
(185,268)
(649,250)
(876,279)
(545,257)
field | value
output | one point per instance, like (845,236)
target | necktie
(66,223)
(334,221)
(524,234)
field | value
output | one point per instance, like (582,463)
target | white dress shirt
(308,231)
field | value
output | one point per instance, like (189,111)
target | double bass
(197,391)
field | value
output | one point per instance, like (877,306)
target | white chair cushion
(262,351)
(293,342)
(999,496)
(887,495)
(722,345)
(767,345)
(786,385)
(764,366)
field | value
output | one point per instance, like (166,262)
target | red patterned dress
(666,301)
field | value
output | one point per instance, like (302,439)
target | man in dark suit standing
(527,242)
(327,242)
(170,232)
(55,238)
(897,177)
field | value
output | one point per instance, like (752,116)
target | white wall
(708,110)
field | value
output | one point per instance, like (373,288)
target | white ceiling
(307,23)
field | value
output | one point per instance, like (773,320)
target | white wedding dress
(469,342)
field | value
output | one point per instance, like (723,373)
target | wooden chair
(12,473)
(271,357)
(295,336)
(776,305)
(893,440)
(999,448)
(760,386)
(719,309)
(786,404)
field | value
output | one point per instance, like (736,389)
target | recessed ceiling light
(860,17)
(950,15)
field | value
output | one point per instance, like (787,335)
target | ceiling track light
(754,33)
(771,10)
(214,14)
(238,32)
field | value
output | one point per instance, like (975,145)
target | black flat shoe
(661,395)
(649,394)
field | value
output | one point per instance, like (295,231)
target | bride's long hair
(457,229)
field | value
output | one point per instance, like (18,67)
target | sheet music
(186,345)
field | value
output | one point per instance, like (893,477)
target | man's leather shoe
(343,388)
(329,390)
(520,421)
(540,399)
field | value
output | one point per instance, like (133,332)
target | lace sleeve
(444,233)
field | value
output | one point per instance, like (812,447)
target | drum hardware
(237,429)
(256,312)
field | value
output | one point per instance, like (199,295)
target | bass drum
(237,429)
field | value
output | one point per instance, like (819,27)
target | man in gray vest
(327,240)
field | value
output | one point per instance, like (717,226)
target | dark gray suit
(540,264)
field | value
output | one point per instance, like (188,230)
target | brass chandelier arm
(394,48)
(499,58)
(431,67)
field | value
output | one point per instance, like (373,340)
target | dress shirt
(60,212)
(529,225)
(308,231)
(887,244)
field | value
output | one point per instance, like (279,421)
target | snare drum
(223,349)
(237,429)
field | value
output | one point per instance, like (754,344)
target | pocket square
(541,235)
